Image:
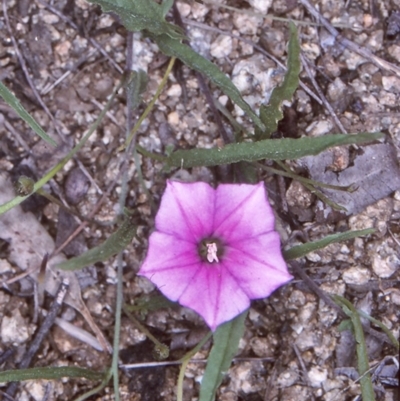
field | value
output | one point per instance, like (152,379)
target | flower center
(210,250)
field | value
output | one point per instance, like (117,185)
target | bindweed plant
(213,250)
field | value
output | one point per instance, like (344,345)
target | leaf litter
(374,175)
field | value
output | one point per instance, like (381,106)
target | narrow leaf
(137,15)
(272,113)
(299,251)
(384,328)
(166,6)
(13,102)
(49,373)
(111,246)
(226,342)
(174,48)
(367,389)
(273,149)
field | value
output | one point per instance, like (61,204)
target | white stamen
(212,252)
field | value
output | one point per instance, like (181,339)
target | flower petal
(170,264)
(257,265)
(215,295)
(186,210)
(242,211)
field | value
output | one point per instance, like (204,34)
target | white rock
(335,288)
(261,5)
(391,84)
(221,47)
(311,49)
(334,395)
(24,396)
(223,100)
(260,346)
(336,90)
(313,257)
(184,8)
(344,249)
(14,329)
(255,75)
(173,118)
(375,40)
(306,312)
(199,11)
(385,267)
(287,378)
(36,389)
(306,340)
(297,298)
(395,297)
(317,376)
(5,266)
(298,195)
(62,49)
(200,41)
(174,91)
(356,275)
(352,60)
(387,98)
(319,128)
(242,378)
(246,24)
(394,52)
(50,18)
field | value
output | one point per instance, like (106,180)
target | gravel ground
(292,349)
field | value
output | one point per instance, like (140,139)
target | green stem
(367,390)
(152,102)
(96,389)
(185,360)
(289,173)
(142,328)
(117,328)
(382,326)
(150,155)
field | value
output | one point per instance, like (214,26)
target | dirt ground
(62,60)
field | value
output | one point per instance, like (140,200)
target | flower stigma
(212,252)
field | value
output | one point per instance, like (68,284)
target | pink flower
(214,250)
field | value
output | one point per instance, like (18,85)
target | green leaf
(302,250)
(345,325)
(384,328)
(272,113)
(273,149)
(174,48)
(226,342)
(111,246)
(49,373)
(48,176)
(13,102)
(367,389)
(139,15)
(166,6)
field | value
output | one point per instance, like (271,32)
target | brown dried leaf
(375,173)
(29,243)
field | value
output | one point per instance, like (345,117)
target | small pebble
(356,275)
(221,47)
(317,376)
